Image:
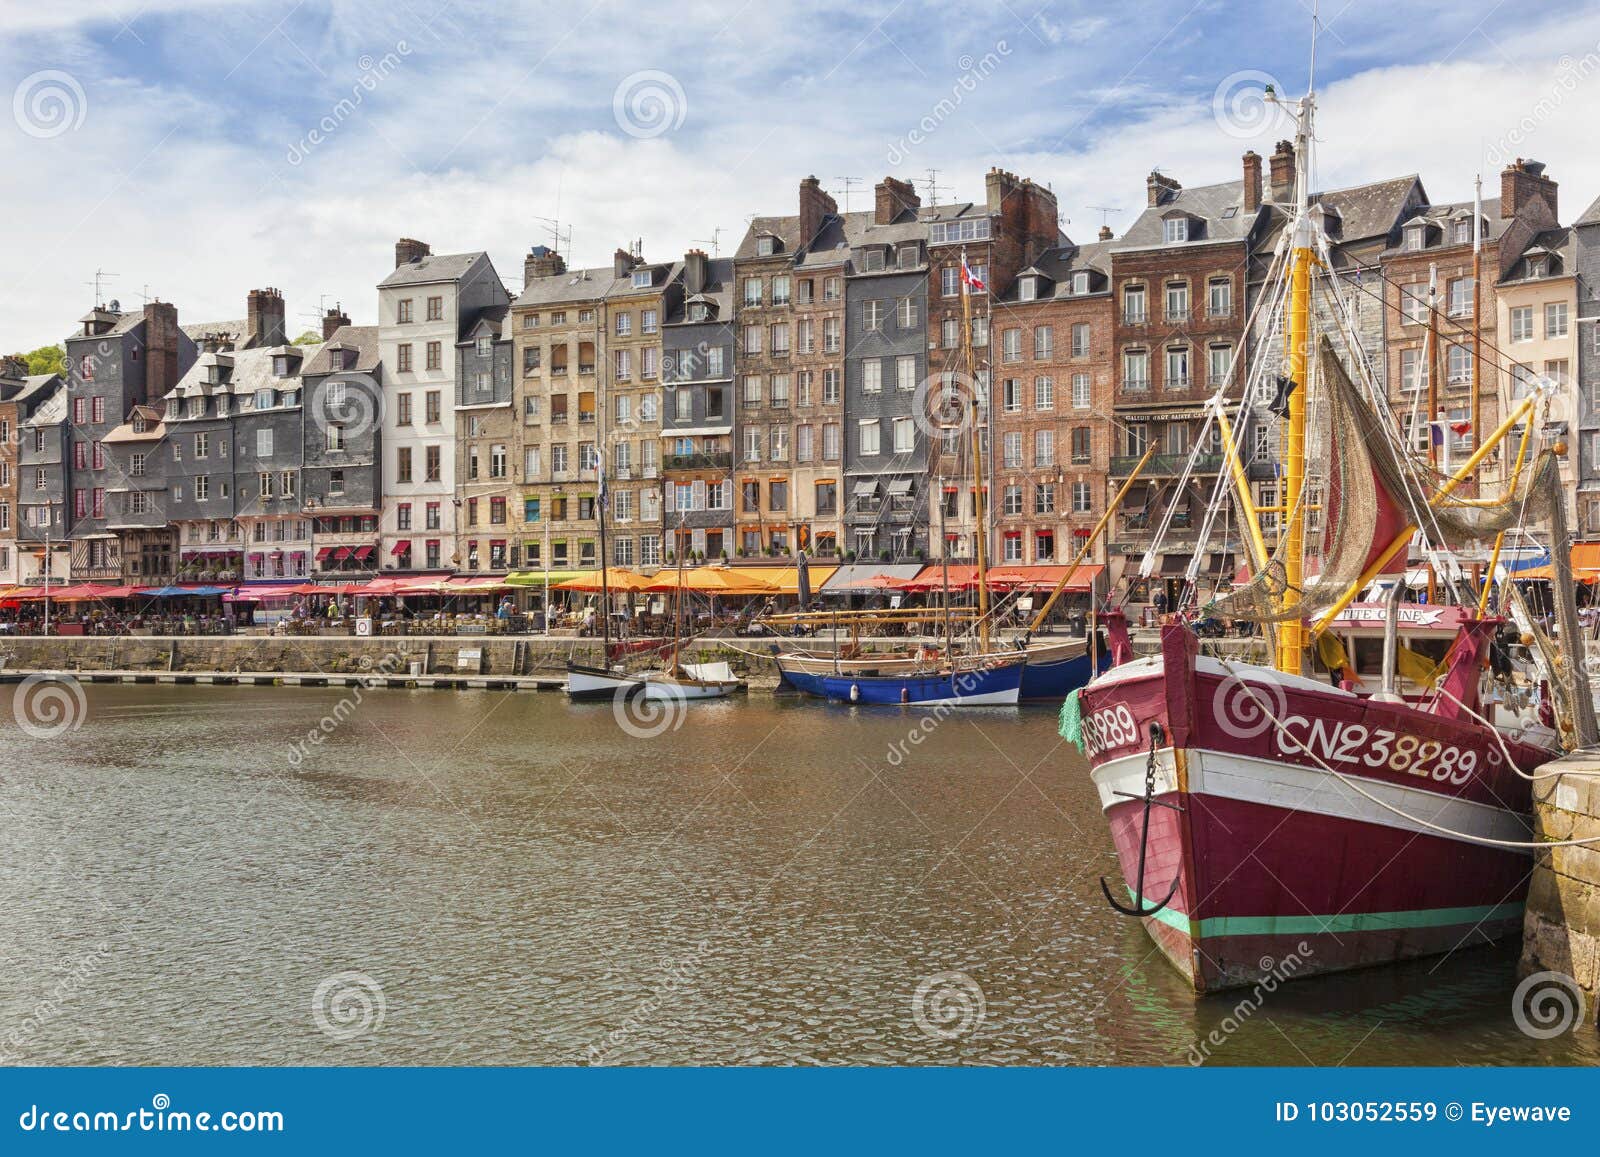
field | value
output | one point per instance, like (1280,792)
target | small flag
(1461,429)
(1436,433)
(969,278)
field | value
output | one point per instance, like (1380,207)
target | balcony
(1177,382)
(1164,465)
(716,460)
(1135,317)
(1178,316)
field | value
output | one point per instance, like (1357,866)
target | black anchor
(1150,801)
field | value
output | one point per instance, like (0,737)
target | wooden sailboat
(1260,811)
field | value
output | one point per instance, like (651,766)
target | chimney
(332,321)
(13,368)
(1252,181)
(1105,233)
(1526,192)
(1160,188)
(997,186)
(893,197)
(406,251)
(1283,173)
(264,318)
(541,261)
(815,207)
(622,263)
(160,349)
(694,271)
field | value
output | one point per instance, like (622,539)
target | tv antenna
(849,183)
(934,186)
(99,276)
(714,241)
(1105,212)
(558,235)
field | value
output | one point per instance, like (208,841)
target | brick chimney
(622,263)
(160,349)
(694,271)
(406,251)
(1283,173)
(333,321)
(891,198)
(815,207)
(264,318)
(1105,233)
(13,368)
(1252,181)
(1160,188)
(1526,192)
(541,261)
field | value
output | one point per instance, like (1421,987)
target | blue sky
(177,144)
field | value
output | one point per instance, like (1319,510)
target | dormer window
(140,424)
(174,407)
(906,257)
(1461,232)
(263,399)
(642,279)
(766,245)
(485,346)
(280,365)
(1175,230)
(872,260)
(1416,237)
(1080,283)
(222,404)
(1538,267)
(1028,289)
(214,375)
(699,311)
(347,359)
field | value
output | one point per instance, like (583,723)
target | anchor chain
(1149,798)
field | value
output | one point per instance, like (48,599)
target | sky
(197,149)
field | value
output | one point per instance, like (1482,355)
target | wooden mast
(1291,634)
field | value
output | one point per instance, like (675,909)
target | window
(1413,370)
(805,336)
(264,443)
(1460,297)
(780,289)
(402,355)
(904,436)
(1044,394)
(432,467)
(649,363)
(830,387)
(780,391)
(752,445)
(1416,237)
(832,442)
(1136,371)
(872,315)
(1080,340)
(750,395)
(1011,449)
(403,409)
(1028,289)
(497,461)
(1011,396)
(1218,359)
(1044,342)
(335,436)
(1261,443)
(780,339)
(202,488)
(966,229)
(1414,304)
(872,376)
(1177,368)
(1458,360)
(1555,319)
(647,319)
(1044,498)
(1177,439)
(752,339)
(643,279)
(950,333)
(431,407)
(1082,397)
(1044,447)
(779,444)
(624,324)
(1011,500)
(1082,445)
(1219,297)
(1175,230)
(435,309)
(622,365)
(1133,305)
(867,436)
(906,313)
(832,288)
(286,483)
(905,373)
(1554,371)
(430,514)
(873,259)
(402,464)
(1522,323)
(1178,301)
(1011,345)
(830,335)
(752,291)
(435,353)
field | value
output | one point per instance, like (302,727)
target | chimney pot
(1526,192)
(1252,181)
(407,250)
(1160,188)
(332,321)
(891,198)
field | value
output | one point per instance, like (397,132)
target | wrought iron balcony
(1164,465)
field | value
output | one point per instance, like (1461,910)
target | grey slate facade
(1586,249)
(341,478)
(697,415)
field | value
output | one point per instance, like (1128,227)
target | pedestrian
(1160,601)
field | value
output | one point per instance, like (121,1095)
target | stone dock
(1561,931)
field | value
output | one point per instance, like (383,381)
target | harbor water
(323,876)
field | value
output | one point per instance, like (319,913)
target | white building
(424,307)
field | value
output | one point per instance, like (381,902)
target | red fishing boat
(1347,804)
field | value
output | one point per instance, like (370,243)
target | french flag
(970,279)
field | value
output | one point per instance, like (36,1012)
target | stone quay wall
(1561,931)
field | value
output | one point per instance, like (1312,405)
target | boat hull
(1054,670)
(1283,868)
(1055,678)
(595,683)
(996,686)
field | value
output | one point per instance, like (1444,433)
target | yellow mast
(1297,337)
(977,464)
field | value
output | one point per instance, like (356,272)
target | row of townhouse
(807,393)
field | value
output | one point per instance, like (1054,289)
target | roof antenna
(714,241)
(849,183)
(99,276)
(934,187)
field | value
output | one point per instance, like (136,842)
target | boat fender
(855,692)
(905,695)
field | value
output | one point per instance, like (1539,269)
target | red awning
(322,555)
(403,547)
(257,556)
(342,554)
(363,552)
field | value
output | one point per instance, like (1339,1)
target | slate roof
(432,269)
(252,370)
(579,285)
(364,339)
(1221,207)
(1591,215)
(1370,210)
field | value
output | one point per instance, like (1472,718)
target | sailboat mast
(979,515)
(1291,638)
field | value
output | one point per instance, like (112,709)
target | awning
(785,580)
(537,578)
(711,580)
(262,592)
(900,486)
(865,489)
(1585,566)
(324,553)
(403,547)
(858,576)
(257,557)
(364,552)
(178,592)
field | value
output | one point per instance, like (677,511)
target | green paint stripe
(1348,922)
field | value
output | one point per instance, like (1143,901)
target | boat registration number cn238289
(1355,745)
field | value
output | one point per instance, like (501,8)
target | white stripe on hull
(1307,789)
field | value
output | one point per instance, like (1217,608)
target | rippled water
(529,884)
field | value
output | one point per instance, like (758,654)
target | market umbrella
(617,579)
